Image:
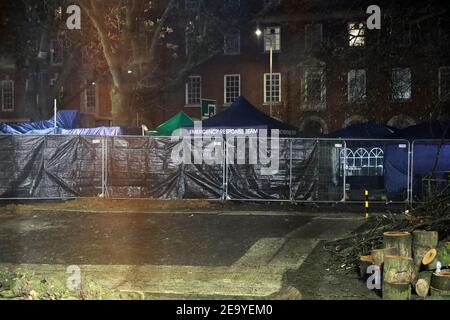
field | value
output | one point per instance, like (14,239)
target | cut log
(439,293)
(396,291)
(364,263)
(443,255)
(423,241)
(422,283)
(378,255)
(441,280)
(400,240)
(429,257)
(398,269)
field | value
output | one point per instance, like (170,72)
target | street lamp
(258,33)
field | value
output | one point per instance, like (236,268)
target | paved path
(162,254)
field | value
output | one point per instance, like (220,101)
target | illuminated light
(258,32)
(130,71)
(93,83)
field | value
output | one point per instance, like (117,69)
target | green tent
(167,128)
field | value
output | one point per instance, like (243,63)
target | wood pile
(411,262)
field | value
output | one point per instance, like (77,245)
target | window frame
(308,45)
(188,103)
(236,33)
(394,92)
(87,85)
(275,35)
(311,105)
(267,75)
(225,101)
(350,98)
(52,53)
(2,97)
(353,39)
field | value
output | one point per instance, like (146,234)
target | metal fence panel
(430,169)
(249,169)
(379,166)
(315,170)
(143,167)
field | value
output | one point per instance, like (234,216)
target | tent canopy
(426,130)
(167,128)
(243,115)
(368,130)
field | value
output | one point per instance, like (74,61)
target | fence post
(291,193)
(344,172)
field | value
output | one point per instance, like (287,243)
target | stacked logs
(411,261)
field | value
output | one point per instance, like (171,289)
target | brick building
(329,70)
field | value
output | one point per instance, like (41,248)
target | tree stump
(378,255)
(423,241)
(398,269)
(364,263)
(396,291)
(399,239)
(439,293)
(422,283)
(441,281)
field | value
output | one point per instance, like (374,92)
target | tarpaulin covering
(167,128)
(425,160)
(140,167)
(100,131)
(241,115)
(49,167)
(65,119)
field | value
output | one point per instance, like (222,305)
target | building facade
(328,69)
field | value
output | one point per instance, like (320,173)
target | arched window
(361,162)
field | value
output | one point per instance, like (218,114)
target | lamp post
(258,33)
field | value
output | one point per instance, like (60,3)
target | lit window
(356,34)
(90,97)
(232,43)
(232,88)
(401,84)
(7,95)
(315,89)
(272,38)
(272,90)
(444,83)
(356,85)
(193,90)
(56,52)
(313,35)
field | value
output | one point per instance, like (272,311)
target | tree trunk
(423,241)
(422,283)
(398,269)
(122,113)
(400,240)
(379,255)
(396,291)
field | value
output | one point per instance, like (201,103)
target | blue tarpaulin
(65,119)
(100,131)
(425,154)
